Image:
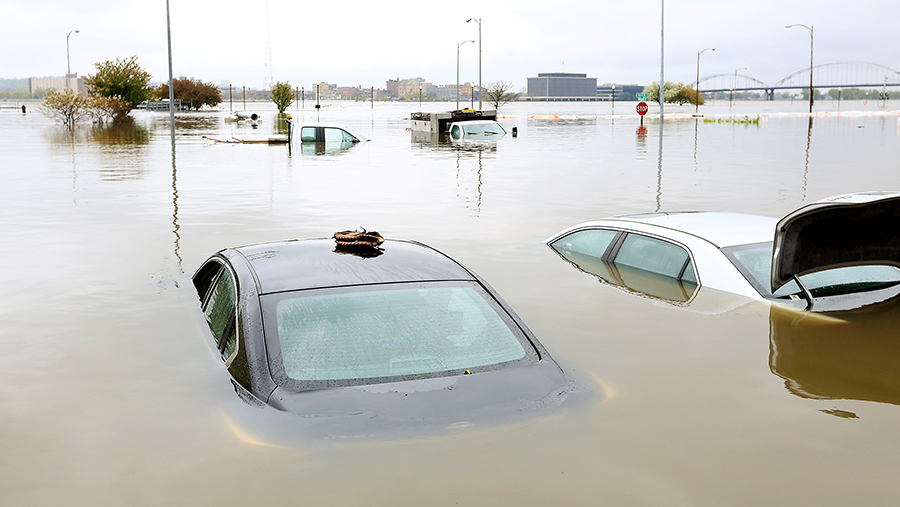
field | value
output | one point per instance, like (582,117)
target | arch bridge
(826,75)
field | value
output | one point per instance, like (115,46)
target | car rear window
(392,331)
(755,263)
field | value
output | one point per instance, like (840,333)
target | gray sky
(355,42)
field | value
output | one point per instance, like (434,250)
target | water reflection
(842,355)
(442,142)
(196,121)
(126,133)
(634,281)
(323,148)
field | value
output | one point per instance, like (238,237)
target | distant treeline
(18,89)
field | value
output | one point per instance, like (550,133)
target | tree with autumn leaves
(194,92)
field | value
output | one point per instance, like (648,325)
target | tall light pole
(478,20)
(230,99)
(734,84)
(662,63)
(613,98)
(457,70)
(697,102)
(68,61)
(810,29)
(171,85)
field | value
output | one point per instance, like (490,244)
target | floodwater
(110,393)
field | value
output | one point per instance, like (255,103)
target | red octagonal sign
(642,108)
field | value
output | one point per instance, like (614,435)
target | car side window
(308,135)
(656,256)
(333,135)
(455,132)
(591,242)
(220,313)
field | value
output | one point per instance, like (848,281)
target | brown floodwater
(111,394)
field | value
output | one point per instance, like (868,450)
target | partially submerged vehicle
(833,254)
(326,137)
(400,334)
(439,122)
(477,130)
(244,118)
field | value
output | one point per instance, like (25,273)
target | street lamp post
(613,99)
(734,84)
(457,70)
(244,95)
(230,98)
(68,61)
(810,30)
(697,102)
(420,96)
(478,20)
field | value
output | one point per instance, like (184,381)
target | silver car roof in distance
(722,229)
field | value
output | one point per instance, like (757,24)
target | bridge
(826,75)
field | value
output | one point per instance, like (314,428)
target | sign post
(642,110)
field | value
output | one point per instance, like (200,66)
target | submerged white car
(837,253)
(476,130)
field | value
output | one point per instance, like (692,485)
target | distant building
(562,84)
(625,92)
(59,84)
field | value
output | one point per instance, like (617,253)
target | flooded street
(111,392)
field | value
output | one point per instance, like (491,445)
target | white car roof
(719,228)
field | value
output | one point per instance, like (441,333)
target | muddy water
(111,395)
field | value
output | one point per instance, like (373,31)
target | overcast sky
(352,42)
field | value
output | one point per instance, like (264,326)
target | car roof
(722,229)
(475,122)
(315,263)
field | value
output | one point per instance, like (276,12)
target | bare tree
(497,93)
(68,107)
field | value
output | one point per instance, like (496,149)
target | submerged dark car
(396,333)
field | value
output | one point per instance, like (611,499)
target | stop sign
(642,108)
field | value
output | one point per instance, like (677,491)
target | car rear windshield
(391,332)
(755,262)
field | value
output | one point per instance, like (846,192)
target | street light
(244,95)
(734,84)
(420,96)
(613,98)
(697,102)
(457,70)
(810,29)
(478,20)
(230,99)
(68,61)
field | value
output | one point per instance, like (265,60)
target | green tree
(122,79)
(498,93)
(198,93)
(67,107)
(817,94)
(282,95)
(105,109)
(676,93)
